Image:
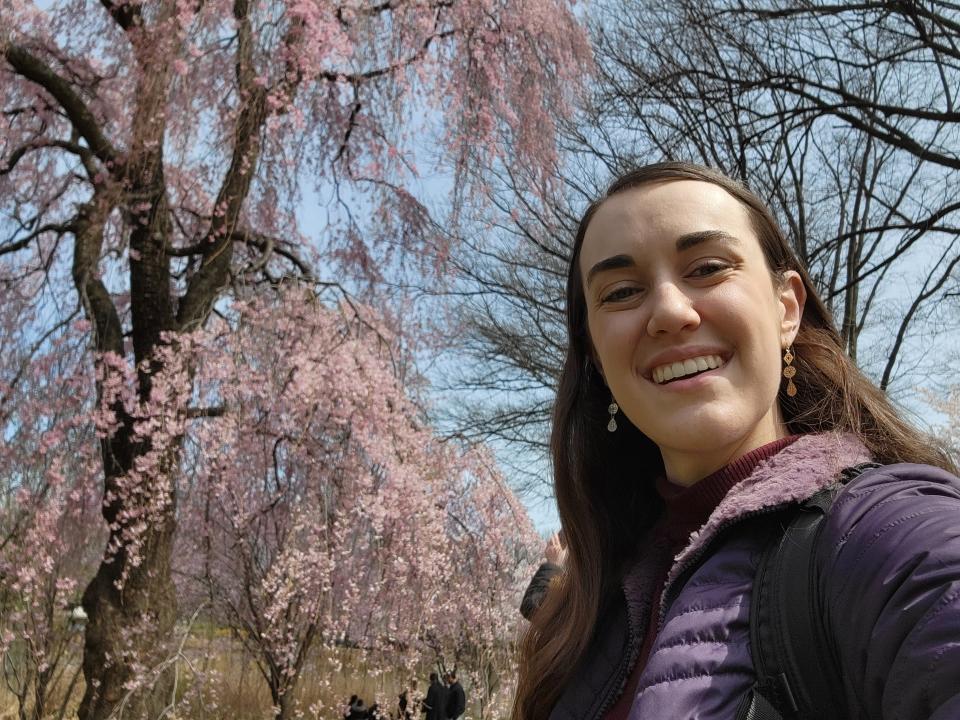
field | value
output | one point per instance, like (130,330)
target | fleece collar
(795,473)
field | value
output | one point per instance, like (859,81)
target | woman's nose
(671,311)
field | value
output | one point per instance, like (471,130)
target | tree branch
(23,242)
(924,295)
(217,244)
(34,69)
(17,155)
(94,296)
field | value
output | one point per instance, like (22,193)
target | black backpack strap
(798,676)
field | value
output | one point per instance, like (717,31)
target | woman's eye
(709,268)
(621,293)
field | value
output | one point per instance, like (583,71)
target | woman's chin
(706,434)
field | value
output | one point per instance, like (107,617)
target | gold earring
(789,372)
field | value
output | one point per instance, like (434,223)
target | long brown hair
(604,482)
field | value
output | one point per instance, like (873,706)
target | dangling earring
(612,409)
(789,372)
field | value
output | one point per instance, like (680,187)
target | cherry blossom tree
(324,511)
(153,158)
(49,506)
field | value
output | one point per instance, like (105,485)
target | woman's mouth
(685,368)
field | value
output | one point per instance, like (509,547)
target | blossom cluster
(321,508)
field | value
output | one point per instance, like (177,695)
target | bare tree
(841,116)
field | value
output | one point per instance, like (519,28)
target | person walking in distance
(456,698)
(403,705)
(435,703)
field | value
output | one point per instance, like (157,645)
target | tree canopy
(155,158)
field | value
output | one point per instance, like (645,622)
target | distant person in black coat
(435,703)
(456,698)
(358,711)
(403,705)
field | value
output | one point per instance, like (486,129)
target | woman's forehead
(661,213)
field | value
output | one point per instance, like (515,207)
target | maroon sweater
(686,509)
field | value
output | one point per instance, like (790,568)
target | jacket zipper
(670,591)
(615,689)
(846,475)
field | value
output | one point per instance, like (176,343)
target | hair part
(604,482)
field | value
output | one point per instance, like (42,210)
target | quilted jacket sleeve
(889,564)
(537,589)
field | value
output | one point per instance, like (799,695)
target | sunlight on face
(687,323)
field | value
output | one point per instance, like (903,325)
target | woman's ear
(792,295)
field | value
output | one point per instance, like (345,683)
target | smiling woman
(689,315)
(691,282)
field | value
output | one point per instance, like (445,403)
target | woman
(705,389)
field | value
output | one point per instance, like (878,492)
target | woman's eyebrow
(685,242)
(616,262)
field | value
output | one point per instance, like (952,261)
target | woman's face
(687,323)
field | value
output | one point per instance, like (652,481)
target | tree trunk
(129,629)
(40,687)
(130,633)
(282,695)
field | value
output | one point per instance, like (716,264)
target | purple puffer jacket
(889,574)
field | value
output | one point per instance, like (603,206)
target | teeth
(663,373)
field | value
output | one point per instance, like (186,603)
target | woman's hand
(555,550)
